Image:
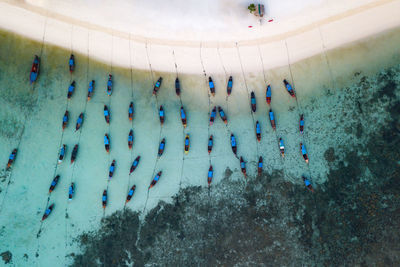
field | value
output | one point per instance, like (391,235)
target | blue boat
(229,86)
(210,144)
(211,85)
(104,199)
(90,90)
(71,63)
(161,147)
(177,87)
(289,88)
(109,85)
(134,165)
(272,119)
(155,180)
(253,102)
(233,144)
(71,90)
(71,191)
(268,95)
(157,86)
(130,194)
(301,123)
(260,165)
(183,117)
(258,131)
(34,70)
(212,116)
(210,175)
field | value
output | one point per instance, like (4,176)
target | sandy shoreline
(284,42)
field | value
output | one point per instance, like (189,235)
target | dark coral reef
(351,220)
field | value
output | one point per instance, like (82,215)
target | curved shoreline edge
(298,43)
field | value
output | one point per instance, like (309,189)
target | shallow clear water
(336,92)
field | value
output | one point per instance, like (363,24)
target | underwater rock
(329,154)
(351,219)
(6,256)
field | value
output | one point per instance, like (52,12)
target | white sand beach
(303,28)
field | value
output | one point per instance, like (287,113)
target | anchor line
(160,132)
(37,104)
(109,124)
(25,120)
(265,84)
(183,129)
(208,130)
(72,179)
(298,108)
(248,93)
(131,78)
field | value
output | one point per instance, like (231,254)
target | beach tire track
(222,64)
(262,64)
(326,58)
(176,65)
(226,75)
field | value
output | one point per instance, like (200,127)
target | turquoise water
(349,97)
